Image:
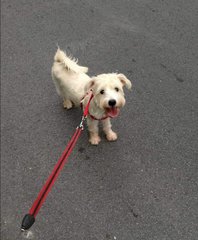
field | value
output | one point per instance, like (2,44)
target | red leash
(29,218)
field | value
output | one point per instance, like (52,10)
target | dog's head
(108,92)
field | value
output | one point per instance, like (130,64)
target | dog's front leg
(93,131)
(111,135)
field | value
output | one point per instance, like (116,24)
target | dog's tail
(69,63)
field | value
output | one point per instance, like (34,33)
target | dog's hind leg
(67,103)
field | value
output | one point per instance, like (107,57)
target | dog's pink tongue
(113,112)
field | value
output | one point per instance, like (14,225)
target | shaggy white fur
(75,86)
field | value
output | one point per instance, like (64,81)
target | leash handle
(29,218)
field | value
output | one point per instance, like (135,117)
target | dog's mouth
(112,111)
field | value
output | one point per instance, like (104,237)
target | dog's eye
(102,92)
(117,89)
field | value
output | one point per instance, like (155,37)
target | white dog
(75,87)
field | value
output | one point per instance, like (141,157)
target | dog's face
(108,92)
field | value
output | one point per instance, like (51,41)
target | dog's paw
(94,140)
(111,136)
(67,104)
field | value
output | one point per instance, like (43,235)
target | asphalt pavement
(144,186)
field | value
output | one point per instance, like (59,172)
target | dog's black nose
(112,102)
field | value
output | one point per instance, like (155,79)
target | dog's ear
(124,80)
(89,85)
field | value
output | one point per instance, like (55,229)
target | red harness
(90,115)
(94,118)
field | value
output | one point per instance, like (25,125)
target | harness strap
(87,113)
(86,110)
(94,118)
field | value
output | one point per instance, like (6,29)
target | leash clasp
(81,125)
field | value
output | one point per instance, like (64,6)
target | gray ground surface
(145,185)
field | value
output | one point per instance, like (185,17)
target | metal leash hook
(81,125)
